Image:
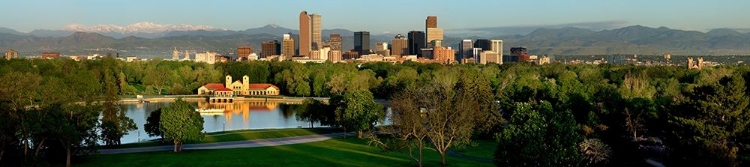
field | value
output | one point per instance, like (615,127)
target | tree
(77,131)
(538,136)
(115,123)
(409,126)
(152,124)
(181,123)
(595,151)
(357,111)
(157,78)
(713,114)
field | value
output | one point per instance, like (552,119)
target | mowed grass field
(334,152)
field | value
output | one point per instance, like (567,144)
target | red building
(50,55)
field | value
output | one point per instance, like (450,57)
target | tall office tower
(287,45)
(431,22)
(175,54)
(432,30)
(434,34)
(497,47)
(243,52)
(270,48)
(305,38)
(482,43)
(416,43)
(399,46)
(362,42)
(465,49)
(335,42)
(316,25)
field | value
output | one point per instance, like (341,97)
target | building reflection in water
(239,107)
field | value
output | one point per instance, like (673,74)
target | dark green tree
(180,123)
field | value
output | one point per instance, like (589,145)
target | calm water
(236,116)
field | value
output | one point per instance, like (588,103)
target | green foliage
(153,123)
(357,110)
(180,123)
(539,136)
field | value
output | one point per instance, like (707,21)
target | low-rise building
(243,87)
(11,54)
(206,57)
(50,55)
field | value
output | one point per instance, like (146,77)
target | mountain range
(556,41)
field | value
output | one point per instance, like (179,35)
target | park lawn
(480,148)
(239,135)
(333,152)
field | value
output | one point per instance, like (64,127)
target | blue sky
(377,15)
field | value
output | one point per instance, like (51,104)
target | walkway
(231,144)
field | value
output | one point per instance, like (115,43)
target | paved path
(231,144)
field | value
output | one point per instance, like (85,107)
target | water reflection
(225,116)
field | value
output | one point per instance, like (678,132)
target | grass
(333,152)
(480,149)
(240,135)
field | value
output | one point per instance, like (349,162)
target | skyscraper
(362,42)
(287,45)
(465,49)
(315,29)
(270,48)
(482,43)
(175,54)
(432,30)
(497,47)
(305,38)
(399,46)
(335,42)
(416,42)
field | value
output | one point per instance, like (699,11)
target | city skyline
(694,15)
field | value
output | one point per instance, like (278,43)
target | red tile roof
(214,86)
(223,90)
(262,86)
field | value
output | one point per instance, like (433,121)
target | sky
(378,16)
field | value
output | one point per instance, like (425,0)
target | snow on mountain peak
(140,27)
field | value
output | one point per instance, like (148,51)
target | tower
(432,30)
(416,42)
(228,81)
(245,83)
(287,45)
(187,54)
(305,43)
(497,47)
(175,54)
(335,42)
(316,25)
(399,45)
(362,42)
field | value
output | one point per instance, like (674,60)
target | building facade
(305,38)
(434,34)
(416,43)
(465,49)
(11,54)
(497,47)
(242,52)
(335,42)
(243,87)
(443,55)
(287,45)
(334,55)
(399,46)
(50,55)
(316,25)
(207,57)
(270,48)
(362,42)
(485,44)
(175,54)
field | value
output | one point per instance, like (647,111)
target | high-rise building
(399,46)
(242,52)
(362,42)
(270,48)
(443,55)
(465,49)
(207,57)
(335,42)
(287,45)
(305,38)
(436,43)
(316,25)
(489,56)
(434,34)
(416,42)
(11,54)
(497,47)
(175,54)
(431,22)
(324,51)
(381,48)
(187,55)
(482,43)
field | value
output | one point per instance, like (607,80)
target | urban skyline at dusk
(396,16)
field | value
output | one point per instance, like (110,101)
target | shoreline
(196,98)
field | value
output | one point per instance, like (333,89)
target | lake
(235,116)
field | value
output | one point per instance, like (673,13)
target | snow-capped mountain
(143,27)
